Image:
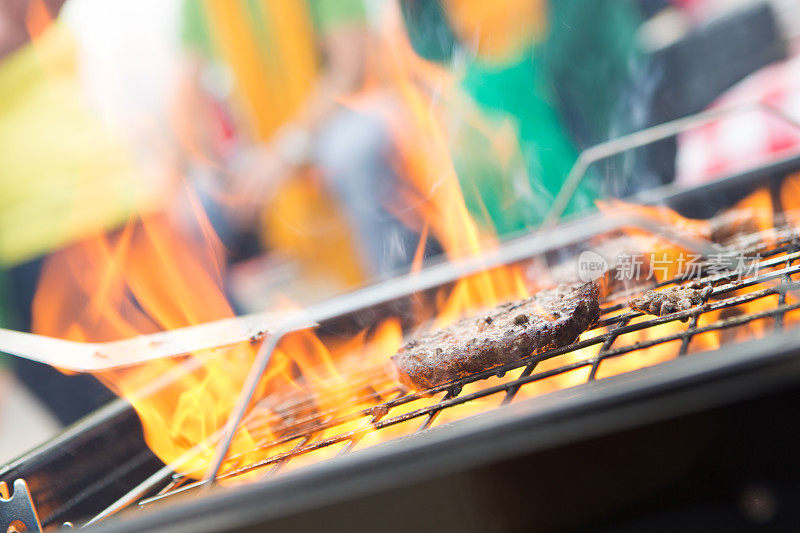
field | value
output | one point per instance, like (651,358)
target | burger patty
(671,299)
(547,320)
(731,224)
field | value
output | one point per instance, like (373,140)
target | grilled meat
(547,320)
(731,226)
(671,299)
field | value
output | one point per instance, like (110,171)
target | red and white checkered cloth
(747,138)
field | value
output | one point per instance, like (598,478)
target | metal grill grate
(394,406)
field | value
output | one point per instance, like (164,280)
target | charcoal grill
(481,470)
(380,416)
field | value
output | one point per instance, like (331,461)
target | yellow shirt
(63,175)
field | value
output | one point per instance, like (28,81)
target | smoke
(636,170)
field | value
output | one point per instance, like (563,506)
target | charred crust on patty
(509,332)
(671,299)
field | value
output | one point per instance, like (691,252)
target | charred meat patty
(671,299)
(547,320)
(731,225)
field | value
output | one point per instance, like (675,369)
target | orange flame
(150,277)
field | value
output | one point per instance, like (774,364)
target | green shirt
(330,14)
(582,64)
(325,15)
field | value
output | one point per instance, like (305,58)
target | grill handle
(642,138)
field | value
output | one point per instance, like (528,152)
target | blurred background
(292,150)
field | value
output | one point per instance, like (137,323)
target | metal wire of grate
(729,300)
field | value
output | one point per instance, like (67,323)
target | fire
(150,277)
(752,214)
(755,214)
(428,168)
(790,198)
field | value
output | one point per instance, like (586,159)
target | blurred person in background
(65,176)
(568,73)
(261,105)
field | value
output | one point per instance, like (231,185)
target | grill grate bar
(690,331)
(324,420)
(277,466)
(513,390)
(422,411)
(452,393)
(198,484)
(720,324)
(786,280)
(722,304)
(612,336)
(377,415)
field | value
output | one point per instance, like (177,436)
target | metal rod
(260,363)
(786,280)
(433,414)
(612,336)
(513,390)
(278,464)
(132,496)
(377,414)
(643,138)
(153,481)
